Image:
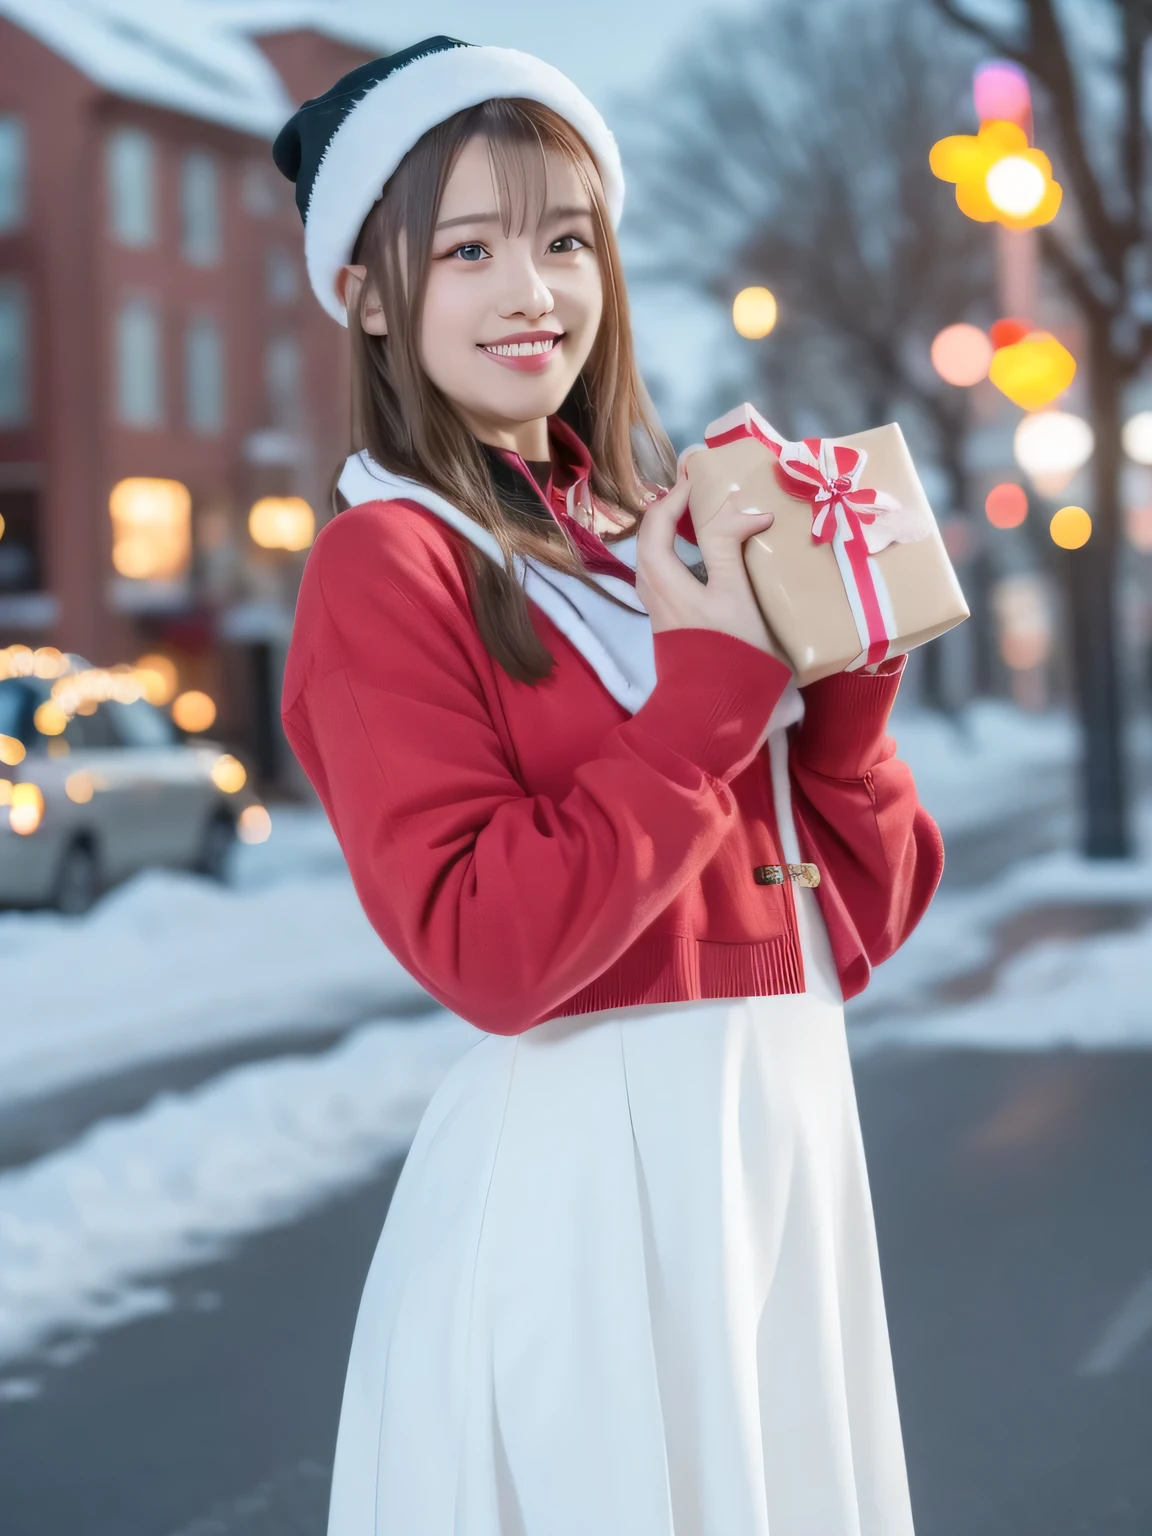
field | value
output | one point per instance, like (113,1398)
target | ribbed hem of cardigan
(666,968)
(845,720)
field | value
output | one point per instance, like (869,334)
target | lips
(526,351)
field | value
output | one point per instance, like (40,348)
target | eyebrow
(494,218)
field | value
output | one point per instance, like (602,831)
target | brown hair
(408,425)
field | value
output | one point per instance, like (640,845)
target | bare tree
(1089,59)
(793,152)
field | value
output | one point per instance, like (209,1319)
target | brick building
(156,328)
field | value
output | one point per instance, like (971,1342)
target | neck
(527,438)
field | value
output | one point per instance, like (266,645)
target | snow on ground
(84,1231)
(170,963)
(991,760)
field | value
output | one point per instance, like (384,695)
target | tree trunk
(1090,582)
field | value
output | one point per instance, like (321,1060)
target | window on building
(132,186)
(282,275)
(258,190)
(204,376)
(283,379)
(139,364)
(15,355)
(13,172)
(201,232)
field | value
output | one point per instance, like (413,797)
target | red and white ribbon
(856,520)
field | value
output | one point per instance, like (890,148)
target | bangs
(518,148)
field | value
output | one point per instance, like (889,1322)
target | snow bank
(83,1230)
(171,964)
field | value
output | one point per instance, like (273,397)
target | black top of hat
(300,144)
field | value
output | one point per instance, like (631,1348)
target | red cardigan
(533,851)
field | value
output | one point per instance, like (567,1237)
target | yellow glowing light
(17,661)
(11,751)
(1015,186)
(27,809)
(79,787)
(985,192)
(151,528)
(754,312)
(1032,372)
(50,719)
(193,711)
(5,791)
(1050,446)
(48,662)
(158,677)
(253,825)
(1071,528)
(229,774)
(961,354)
(282,522)
(2,527)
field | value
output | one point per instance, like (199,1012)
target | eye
(565,244)
(469,252)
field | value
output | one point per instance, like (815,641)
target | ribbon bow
(844,513)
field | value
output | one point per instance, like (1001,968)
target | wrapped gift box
(853,570)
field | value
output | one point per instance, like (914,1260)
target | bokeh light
(1137,437)
(50,719)
(1006,505)
(151,528)
(194,711)
(282,522)
(1032,372)
(229,774)
(254,825)
(11,751)
(1015,185)
(1004,332)
(1071,528)
(79,787)
(158,678)
(961,354)
(1000,91)
(26,810)
(1050,444)
(969,159)
(754,312)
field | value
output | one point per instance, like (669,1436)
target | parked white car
(106,790)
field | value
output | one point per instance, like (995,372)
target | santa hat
(340,148)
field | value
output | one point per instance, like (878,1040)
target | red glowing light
(1006,333)
(1006,505)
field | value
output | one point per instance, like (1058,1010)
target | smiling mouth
(521,348)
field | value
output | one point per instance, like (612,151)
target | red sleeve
(500,903)
(858,817)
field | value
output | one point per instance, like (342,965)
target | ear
(358,295)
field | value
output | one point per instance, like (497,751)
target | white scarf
(616,642)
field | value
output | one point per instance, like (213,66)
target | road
(1011,1197)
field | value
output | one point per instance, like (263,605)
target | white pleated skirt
(628,1286)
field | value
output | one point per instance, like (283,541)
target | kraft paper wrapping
(797,582)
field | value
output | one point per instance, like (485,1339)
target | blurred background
(850,212)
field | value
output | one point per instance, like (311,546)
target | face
(509,320)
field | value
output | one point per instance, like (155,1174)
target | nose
(524,292)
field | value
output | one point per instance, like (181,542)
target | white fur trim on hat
(381,128)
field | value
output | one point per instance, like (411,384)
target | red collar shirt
(617,834)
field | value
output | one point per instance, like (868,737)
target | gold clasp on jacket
(773,874)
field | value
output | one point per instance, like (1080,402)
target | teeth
(522,348)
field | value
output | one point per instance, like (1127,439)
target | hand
(673,596)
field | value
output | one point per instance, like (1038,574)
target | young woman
(628,1284)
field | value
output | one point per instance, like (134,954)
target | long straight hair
(411,428)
